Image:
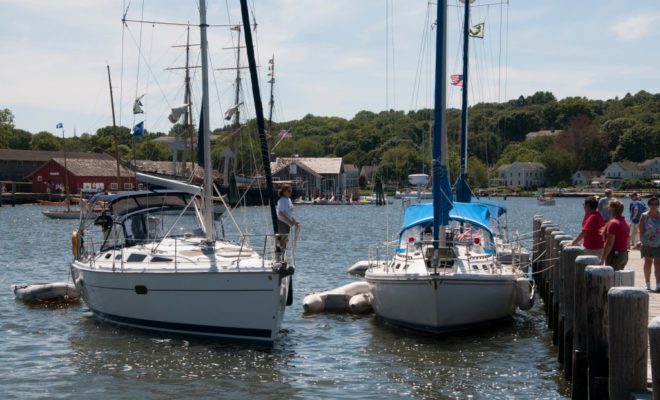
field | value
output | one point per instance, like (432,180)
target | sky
(332,58)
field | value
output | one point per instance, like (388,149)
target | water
(51,352)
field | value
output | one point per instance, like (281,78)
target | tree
(19,139)
(151,150)
(6,126)
(514,125)
(45,141)
(559,164)
(398,162)
(638,144)
(477,173)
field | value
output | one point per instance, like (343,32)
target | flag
(138,130)
(284,134)
(59,126)
(177,112)
(477,31)
(231,111)
(236,28)
(137,106)
(457,80)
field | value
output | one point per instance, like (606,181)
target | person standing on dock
(603,204)
(591,224)
(617,231)
(637,208)
(649,233)
(285,219)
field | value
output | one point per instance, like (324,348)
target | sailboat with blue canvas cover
(444,274)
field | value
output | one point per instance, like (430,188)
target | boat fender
(75,243)
(336,300)
(361,303)
(524,293)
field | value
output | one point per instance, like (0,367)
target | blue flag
(59,125)
(138,130)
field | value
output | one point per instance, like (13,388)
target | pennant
(138,130)
(137,106)
(477,31)
(457,80)
(232,110)
(177,112)
(59,126)
(284,134)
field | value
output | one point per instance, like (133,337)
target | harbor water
(62,352)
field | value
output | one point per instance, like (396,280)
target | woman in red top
(617,231)
(591,225)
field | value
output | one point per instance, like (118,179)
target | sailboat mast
(271,103)
(258,107)
(114,128)
(188,101)
(463,192)
(237,115)
(206,120)
(441,189)
(66,174)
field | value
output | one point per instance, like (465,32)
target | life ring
(75,242)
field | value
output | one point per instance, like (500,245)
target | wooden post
(536,233)
(624,278)
(580,378)
(654,339)
(13,194)
(548,272)
(553,315)
(543,256)
(628,315)
(597,281)
(560,302)
(568,256)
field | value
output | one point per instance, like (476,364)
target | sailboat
(444,274)
(67,213)
(153,260)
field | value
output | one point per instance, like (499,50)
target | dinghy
(46,292)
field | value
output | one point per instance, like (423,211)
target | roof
(350,168)
(553,132)
(651,161)
(36,155)
(127,202)
(588,174)
(523,165)
(320,165)
(90,167)
(630,166)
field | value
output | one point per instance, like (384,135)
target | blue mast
(441,187)
(463,192)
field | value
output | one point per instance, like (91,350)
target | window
(113,186)
(128,186)
(40,178)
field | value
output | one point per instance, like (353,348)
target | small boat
(340,299)
(62,214)
(46,292)
(545,200)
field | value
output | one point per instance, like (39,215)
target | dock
(604,323)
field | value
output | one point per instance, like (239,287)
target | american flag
(457,80)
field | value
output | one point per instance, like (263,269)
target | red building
(82,174)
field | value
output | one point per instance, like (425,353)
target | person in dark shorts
(285,218)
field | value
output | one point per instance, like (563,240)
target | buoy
(75,242)
(335,300)
(525,293)
(361,303)
(47,292)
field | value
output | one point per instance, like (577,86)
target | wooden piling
(568,256)
(543,256)
(624,278)
(598,281)
(561,241)
(536,233)
(628,310)
(548,273)
(654,340)
(553,315)
(579,376)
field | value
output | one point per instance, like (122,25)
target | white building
(618,171)
(651,168)
(584,178)
(527,175)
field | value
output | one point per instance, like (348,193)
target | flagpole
(66,173)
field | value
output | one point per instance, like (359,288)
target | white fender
(524,293)
(361,303)
(313,303)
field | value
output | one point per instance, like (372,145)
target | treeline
(594,134)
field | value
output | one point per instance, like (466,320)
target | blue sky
(330,56)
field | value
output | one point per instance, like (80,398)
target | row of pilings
(599,321)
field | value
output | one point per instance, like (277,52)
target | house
(323,176)
(584,178)
(552,132)
(651,168)
(17,165)
(527,175)
(351,176)
(618,171)
(82,173)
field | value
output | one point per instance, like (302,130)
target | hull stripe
(191,328)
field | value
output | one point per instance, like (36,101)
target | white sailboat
(444,274)
(153,260)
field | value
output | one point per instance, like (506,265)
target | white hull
(230,305)
(466,295)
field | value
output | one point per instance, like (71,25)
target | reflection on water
(54,352)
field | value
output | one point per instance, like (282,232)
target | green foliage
(45,141)
(151,150)
(559,164)
(477,173)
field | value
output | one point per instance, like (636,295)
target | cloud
(638,27)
